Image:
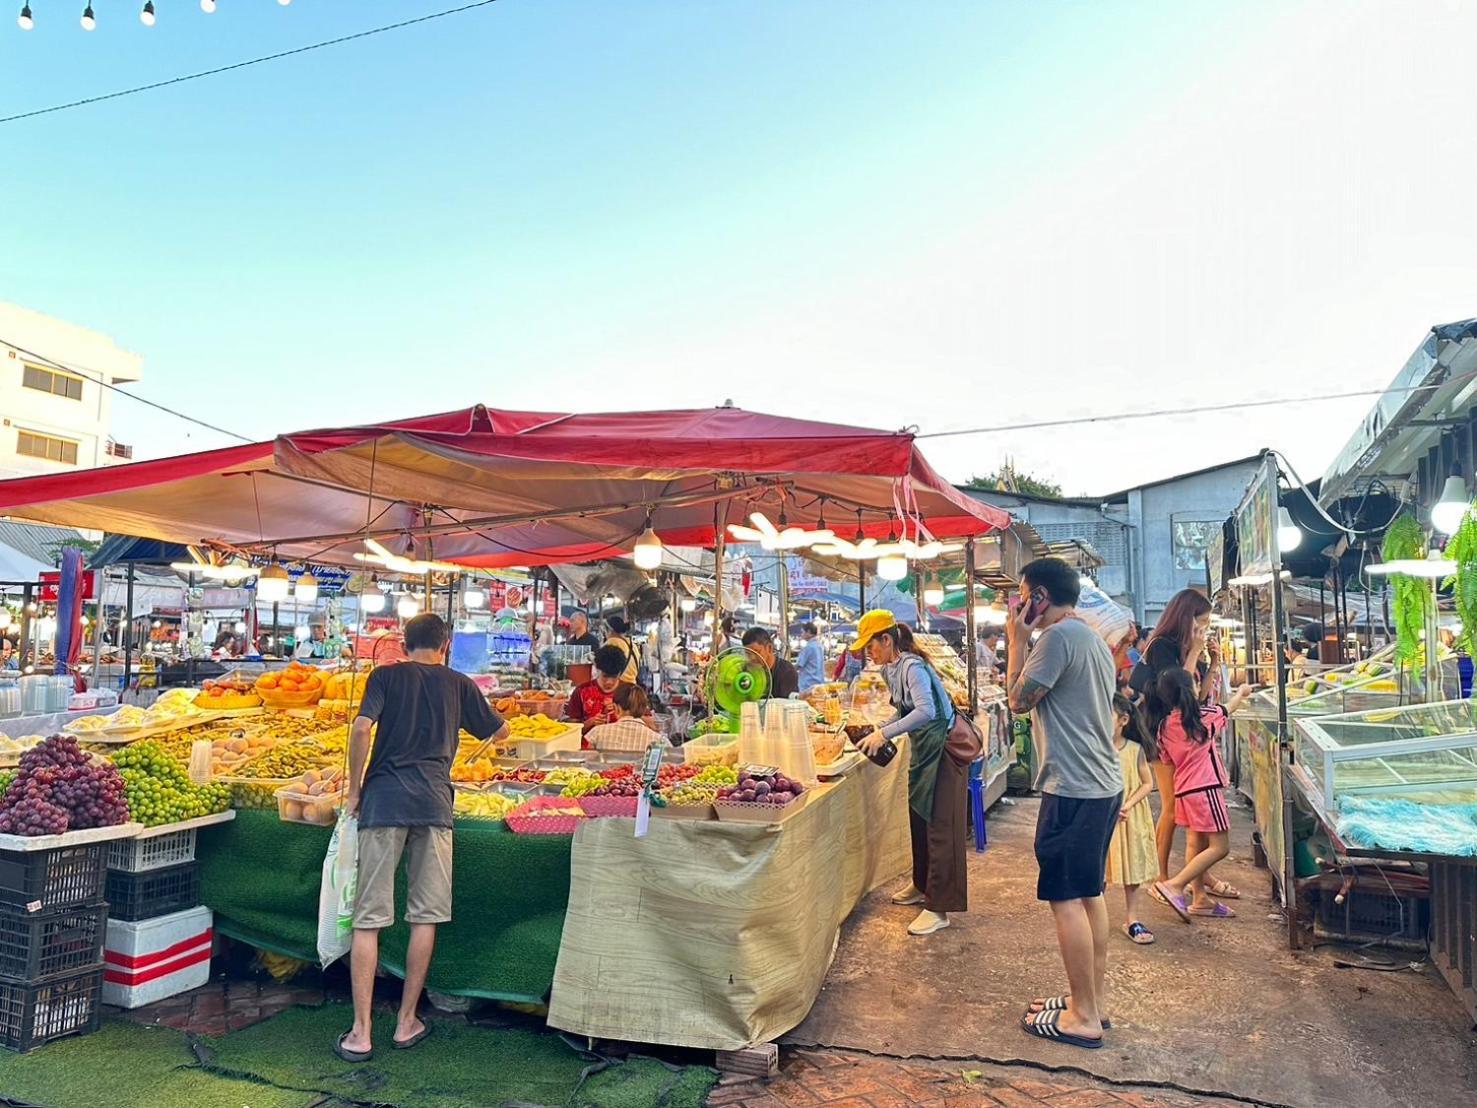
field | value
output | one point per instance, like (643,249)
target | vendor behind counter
(590,704)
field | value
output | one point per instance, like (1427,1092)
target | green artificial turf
(128,1066)
(287,1062)
(510,892)
(459,1065)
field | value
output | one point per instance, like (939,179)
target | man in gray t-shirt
(1072,725)
(1065,679)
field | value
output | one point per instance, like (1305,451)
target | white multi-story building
(55,411)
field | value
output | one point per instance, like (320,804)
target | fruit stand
(731,921)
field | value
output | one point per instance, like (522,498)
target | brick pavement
(223,1006)
(841,1079)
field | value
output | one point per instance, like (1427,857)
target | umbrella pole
(970,633)
(99,625)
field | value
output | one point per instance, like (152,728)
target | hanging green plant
(1405,539)
(1462,549)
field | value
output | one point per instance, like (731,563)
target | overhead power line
(245,64)
(94,375)
(1199,409)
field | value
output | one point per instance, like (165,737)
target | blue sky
(941,214)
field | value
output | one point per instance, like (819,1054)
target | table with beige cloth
(718,935)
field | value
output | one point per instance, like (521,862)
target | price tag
(650,766)
(759,771)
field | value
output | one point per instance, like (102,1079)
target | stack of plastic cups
(773,749)
(750,736)
(799,762)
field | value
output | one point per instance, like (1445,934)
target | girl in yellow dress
(1131,858)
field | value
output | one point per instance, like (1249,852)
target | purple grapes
(59,787)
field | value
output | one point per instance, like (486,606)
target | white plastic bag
(1102,614)
(336,894)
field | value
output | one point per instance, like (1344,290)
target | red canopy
(489,488)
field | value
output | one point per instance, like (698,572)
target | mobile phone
(1039,603)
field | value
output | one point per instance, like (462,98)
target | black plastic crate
(136,896)
(1375,915)
(44,944)
(36,1013)
(41,880)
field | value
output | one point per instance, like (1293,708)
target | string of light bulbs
(27,22)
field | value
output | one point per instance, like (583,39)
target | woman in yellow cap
(936,783)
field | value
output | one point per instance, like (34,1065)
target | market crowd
(1110,726)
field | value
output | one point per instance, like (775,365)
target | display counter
(729,927)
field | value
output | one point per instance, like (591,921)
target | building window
(33,445)
(52,381)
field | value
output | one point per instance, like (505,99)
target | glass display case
(1425,749)
(1361,687)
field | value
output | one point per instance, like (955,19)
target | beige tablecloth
(717,935)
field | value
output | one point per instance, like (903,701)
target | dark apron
(926,747)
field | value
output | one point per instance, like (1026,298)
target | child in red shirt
(590,703)
(1187,743)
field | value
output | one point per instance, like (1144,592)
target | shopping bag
(1098,610)
(336,894)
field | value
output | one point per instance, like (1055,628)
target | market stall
(428,498)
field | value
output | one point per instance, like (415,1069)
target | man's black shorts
(1072,838)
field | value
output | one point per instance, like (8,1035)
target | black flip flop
(351,1055)
(1059,1004)
(413,1040)
(1045,1025)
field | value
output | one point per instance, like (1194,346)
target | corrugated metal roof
(42,544)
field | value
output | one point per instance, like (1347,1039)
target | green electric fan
(734,677)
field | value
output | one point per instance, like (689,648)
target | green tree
(1008,479)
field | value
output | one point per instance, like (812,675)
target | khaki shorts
(427,853)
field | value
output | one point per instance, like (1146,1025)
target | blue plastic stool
(977,802)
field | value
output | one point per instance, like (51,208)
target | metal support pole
(719,536)
(450,599)
(128,632)
(26,600)
(861,578)
(970,633)
(918,600)
(99,625)
(784,605)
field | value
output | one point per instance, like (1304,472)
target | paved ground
(1219,1008)
(845,1080)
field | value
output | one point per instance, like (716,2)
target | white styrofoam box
(157,958)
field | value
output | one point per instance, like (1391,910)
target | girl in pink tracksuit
(1187,742)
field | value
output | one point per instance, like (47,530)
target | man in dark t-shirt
(784,678)
(403,799)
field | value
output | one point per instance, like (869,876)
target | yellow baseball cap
(871,624)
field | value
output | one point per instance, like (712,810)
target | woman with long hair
(936,782)
(1181,640)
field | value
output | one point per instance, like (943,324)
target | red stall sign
(51,583)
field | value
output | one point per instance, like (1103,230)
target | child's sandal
(1138,933)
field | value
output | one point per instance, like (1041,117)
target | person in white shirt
(984,653)
(630,733)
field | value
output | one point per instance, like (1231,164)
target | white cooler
(157,958)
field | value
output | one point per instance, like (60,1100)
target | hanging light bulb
(272,584)
(892,567)
(306,589)
(407,607)
(933,596)
(89,21)
(146,17)
(1289,534)
(284,3)
(981,613)
(1447,513)
(688,604)
(240,627)
(24,20)
(371,600)
(207,6)
(648,552)
(474,598)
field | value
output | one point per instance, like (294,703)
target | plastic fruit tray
(597,806)
(523,820)
(295,806)
(746,811)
